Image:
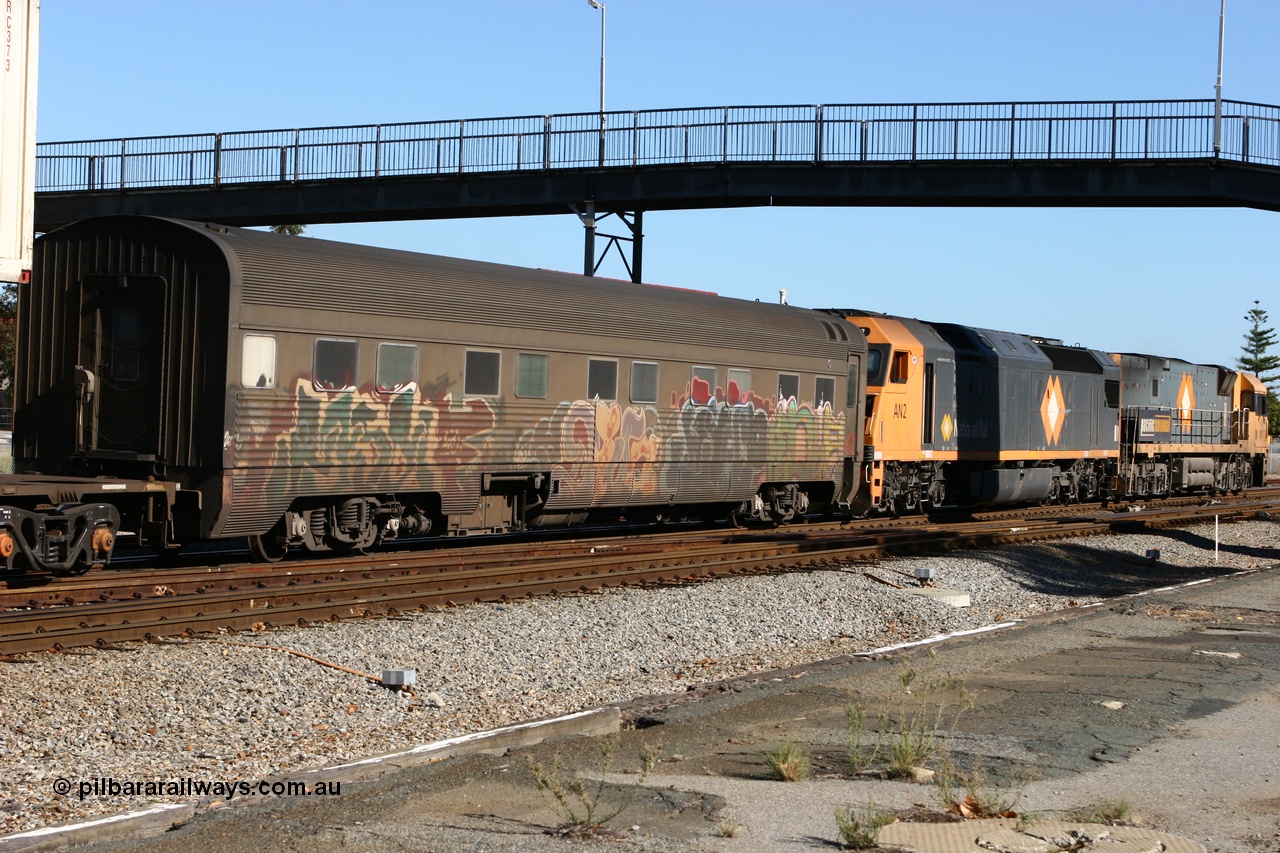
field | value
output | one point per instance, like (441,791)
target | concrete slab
(954,597)
(1008,836)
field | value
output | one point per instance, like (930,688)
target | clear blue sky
(1175,282)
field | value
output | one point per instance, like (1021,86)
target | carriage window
(898,372)
(397,368)
(531,374)
(824,391)
(788,386)
(125,341)
(481,374)
(258,361)
(738,392)
(602,379)
(702,387)
(335,364)
(1155,387)
(644,382)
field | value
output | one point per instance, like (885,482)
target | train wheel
(265,549)
(271,546)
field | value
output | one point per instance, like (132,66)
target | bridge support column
(634,222)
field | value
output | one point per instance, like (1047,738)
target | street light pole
(596,4)
(1217,89)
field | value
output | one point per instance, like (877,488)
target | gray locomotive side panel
(977,393)
(764,401)
(1083,408)
(1167,400)
(939,388)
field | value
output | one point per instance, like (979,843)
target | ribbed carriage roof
(297,271)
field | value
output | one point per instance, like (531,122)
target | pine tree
(1255,360)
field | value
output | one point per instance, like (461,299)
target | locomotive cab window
(738,392)
(788,386)
(824,391)
(875,363)
(602,379)
(532,370)
(481,373)
(258,361)
(644,382)
(898,369)
(397,368)
(335,364)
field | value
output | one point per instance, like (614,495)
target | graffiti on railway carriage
(600,448)
(604,447)
(310,435)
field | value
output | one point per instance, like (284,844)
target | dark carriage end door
(121,370)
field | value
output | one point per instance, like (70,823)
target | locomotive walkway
(1094,153)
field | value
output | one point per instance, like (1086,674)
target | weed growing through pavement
(576,801)
(860,759)
(1108,811)
(726,828)
(971,794)
(860,828)
(789,762)
(915,725)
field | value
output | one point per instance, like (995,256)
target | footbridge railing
(834,133)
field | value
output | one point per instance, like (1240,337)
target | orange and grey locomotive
(976,416)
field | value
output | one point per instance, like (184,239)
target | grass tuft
(789,762)
(578,802)
(860,829)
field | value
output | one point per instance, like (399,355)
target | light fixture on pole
(1217,89)
(596,4)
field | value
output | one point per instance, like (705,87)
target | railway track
(116,606)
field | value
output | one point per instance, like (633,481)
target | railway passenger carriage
(306,393)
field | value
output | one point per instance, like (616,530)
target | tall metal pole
(1217,89)
(596,4)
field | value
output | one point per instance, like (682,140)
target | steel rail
(115,621)
(43,591)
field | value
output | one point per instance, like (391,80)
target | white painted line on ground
(88,824)
(451,742)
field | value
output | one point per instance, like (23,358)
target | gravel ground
(217,709)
